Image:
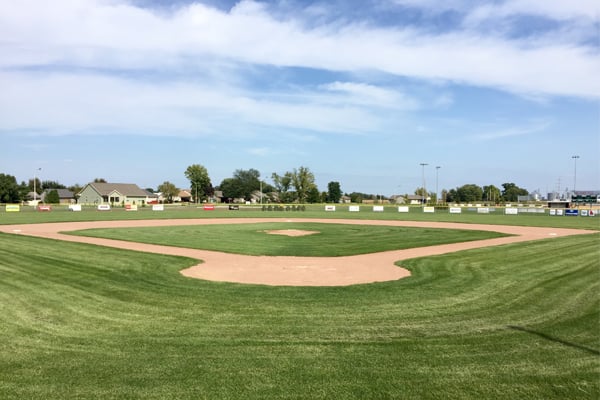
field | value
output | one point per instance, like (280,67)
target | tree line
(295,186)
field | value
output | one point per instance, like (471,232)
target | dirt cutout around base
(292,271)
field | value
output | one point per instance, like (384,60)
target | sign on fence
(511,211)
(572,213)
(354,208)
(131,207)
(428,209)
(403,209)
(74,207)
(13,208)
(455,210)
(158,207)
(378,208)
(103,207)
(329,208)
(209,207)
(44,208)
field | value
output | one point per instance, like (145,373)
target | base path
(292,271)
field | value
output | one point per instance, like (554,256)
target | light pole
(423,195)
(436,184)
(574,173)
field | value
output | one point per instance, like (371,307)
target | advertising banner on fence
(131,207)
(483,210)
(403,209)
(104,207)
(572,213)
(44,208)
(429,209)
(13,208)
(329,208)
(74,207)
(455,210)
(511,211)
(209,207)
(378,208)
(158,207)
(354,208)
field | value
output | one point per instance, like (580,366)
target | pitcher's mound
(291,232)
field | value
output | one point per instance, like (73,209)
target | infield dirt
(292,271)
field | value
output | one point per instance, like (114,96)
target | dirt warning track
(291,271)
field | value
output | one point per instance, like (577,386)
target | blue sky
(360,92)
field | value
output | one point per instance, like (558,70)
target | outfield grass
(513,322)
(330,240)
(60,214)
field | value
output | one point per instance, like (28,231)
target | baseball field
(474,307)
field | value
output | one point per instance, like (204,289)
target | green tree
(303,181)
(37,186)
(491,193)
(230,188)
(334,192)
(242,184)
(9,189)
(282,186)
(510,192)
(313,195)
(356,197)
(52,197)
(248,181)
(469,192)
(52,185)
(199,182)
(100,180)
(168,191)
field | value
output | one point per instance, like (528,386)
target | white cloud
(110,35)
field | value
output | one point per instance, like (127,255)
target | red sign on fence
(209,207)
(44,208)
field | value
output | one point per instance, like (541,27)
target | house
(113,193)
(398,199)
(65,196)
(417,199)
(184,196)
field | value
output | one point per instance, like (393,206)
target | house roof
(62,193)
(125,189)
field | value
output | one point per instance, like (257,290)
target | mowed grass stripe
(330,241)
(517,321)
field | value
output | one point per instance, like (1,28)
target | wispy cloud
(503,133)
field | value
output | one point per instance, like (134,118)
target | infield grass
(517,321)
(330,240)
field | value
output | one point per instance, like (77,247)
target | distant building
(113,193)
(65,196)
